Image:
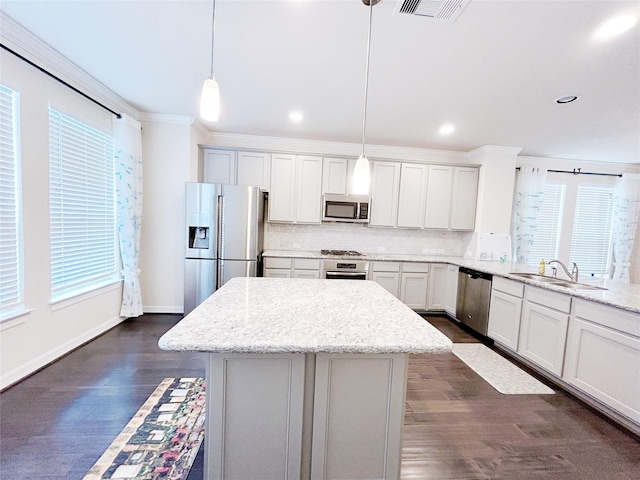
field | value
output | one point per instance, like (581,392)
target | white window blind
(82,207)
(591,236)
(547,237)
(11,296)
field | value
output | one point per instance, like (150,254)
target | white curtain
(626,210)
(128,160)
(526,207)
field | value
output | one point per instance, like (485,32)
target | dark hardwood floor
(56,423)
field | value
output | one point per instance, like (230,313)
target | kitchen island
(305,378)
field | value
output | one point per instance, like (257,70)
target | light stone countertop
(274,315)
(620,295)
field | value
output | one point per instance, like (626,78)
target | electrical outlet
(381,249)
(296,245)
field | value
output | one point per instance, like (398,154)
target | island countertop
(282,315)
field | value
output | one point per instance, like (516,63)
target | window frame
(88,162)
(17,307)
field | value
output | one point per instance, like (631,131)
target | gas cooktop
(342,253)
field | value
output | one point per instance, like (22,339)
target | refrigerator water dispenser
(198,237)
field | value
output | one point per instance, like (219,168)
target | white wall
(170,151)
(46,332)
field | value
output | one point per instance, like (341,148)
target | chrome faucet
(573,275)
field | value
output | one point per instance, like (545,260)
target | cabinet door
(451,295)
(605,363)
(385,182)
(254,169)
(282,194)
(277,273)
(219,166)
(413,290)
(438,197)
(504,319)
(334,175)
(389,280)
(412,195)
(464,198)
(308,190)
(438,286)
(313,274)
(543,335)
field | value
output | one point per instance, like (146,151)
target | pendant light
(361,172)
(210,96)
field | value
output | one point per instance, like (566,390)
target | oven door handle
(345,274)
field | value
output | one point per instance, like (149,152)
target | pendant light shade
(210,100)
(361,172)
(361,176)
(210,95)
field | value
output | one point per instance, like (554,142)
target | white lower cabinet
(603,356)
(280,267)
(505,311)
(451,295)
(438,286)
(387,275)
(414,286)
(543,331)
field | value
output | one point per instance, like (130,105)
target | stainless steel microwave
(345,208)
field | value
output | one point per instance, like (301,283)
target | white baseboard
(162,308)
(43,360)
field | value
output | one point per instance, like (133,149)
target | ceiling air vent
(444,10)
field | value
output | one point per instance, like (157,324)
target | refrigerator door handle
(219,240)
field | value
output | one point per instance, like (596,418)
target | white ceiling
(494,73)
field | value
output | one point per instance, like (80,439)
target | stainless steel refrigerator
(224,237)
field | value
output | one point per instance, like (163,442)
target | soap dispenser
(541,268)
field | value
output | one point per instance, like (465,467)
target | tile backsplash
(345,236)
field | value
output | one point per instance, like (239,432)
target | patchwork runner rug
(499,372)
(162,439)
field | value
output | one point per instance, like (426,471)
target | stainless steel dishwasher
(474,296)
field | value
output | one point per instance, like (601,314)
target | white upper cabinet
(219,166)
(253,168)
(385,186)
(282,194)
(236,168)
(438,197)
(337,175)
(464,198)
(308,189)
(295,191)
(412,195)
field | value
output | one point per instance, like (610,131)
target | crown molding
(294,145)
(494,150)
(22,41)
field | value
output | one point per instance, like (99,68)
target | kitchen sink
(558,282)
(537,277)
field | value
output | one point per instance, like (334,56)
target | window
(82,192)
(591,234)
(546,241)
(574,223)
(11,289)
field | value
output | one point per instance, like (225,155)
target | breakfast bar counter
(305,378)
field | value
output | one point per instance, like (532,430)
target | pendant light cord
(366,77)
(213,31)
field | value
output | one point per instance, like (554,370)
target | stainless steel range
(344,269)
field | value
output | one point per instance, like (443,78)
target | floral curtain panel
(626,211)
(128,160)
(527,202)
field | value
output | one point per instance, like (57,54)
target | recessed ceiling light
(617,25)
(447,129)
(567,99)
(296,116)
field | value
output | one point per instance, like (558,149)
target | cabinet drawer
(386,266)
(411,267)
(620,320)
(557,301)
(277,262)
(511,287)
(306,264)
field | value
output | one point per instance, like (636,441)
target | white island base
(306,379)
(301,416)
